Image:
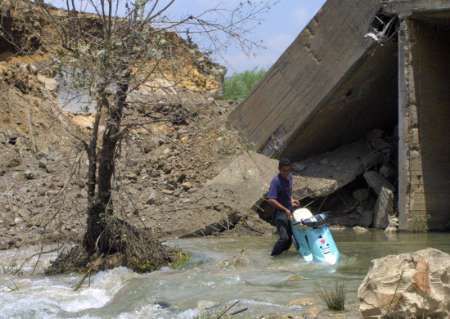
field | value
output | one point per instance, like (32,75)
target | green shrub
(333,298)
(240,85)
(180,259)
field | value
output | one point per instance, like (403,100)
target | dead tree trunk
(110,241)
(99,201)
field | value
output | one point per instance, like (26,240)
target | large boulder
(411,285)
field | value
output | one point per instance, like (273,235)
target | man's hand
(289,214)
(295,203)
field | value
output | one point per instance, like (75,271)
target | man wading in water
(280,198)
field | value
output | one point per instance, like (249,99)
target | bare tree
(103,43)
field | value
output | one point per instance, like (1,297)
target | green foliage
(181,259)
(240,85)
(333,298)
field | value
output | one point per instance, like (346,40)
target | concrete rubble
(384,208)
(347,183)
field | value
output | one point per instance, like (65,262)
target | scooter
(313,237)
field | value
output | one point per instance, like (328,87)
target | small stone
(29,175)
(205,304)
(186,186)
(14,162)
(151,198)
(155,173)
(43,164)
(301,302)
(360,230)
(313,312)
(337,227)
(132,177)
(32,69)
(181,178)
(4,245)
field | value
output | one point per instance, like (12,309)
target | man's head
(284,167)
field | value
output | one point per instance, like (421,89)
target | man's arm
(277,205)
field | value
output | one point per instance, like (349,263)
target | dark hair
(284,162)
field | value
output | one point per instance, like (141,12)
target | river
(220,272)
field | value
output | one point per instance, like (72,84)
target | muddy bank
(179,144)
(176,141)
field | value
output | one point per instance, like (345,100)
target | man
(280,198)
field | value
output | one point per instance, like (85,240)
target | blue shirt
(281,190)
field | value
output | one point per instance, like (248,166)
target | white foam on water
(157,312)
(46,297)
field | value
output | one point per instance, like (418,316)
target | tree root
(120,244)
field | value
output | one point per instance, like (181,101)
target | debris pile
(355,183)
(176,143)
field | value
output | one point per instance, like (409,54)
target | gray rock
(13,162)
(43,164)
(29,175)
(386,171)
(132,177)
(3,245)
(384,207)
(152,197)
(366,218)
(360,230)
(392,224)
(377,182)
(186,186)
(361,194)
(411,285)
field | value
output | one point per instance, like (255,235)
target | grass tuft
(333,298)
(181,259)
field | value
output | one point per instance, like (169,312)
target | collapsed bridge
(361,66)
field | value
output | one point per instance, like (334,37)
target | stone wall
(424,153)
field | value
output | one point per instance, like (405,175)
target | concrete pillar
(424,134)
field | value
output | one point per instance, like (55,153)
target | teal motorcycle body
(313,238)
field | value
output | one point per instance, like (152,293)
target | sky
(277,29)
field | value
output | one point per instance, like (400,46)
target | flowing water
(221,271)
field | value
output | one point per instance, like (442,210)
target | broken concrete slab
(384,208)
(322,175)
(231,195)
(245,179)
(276,118)
(377,182)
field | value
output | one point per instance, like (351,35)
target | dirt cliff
(177,142)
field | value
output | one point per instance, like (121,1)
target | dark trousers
(285,233)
